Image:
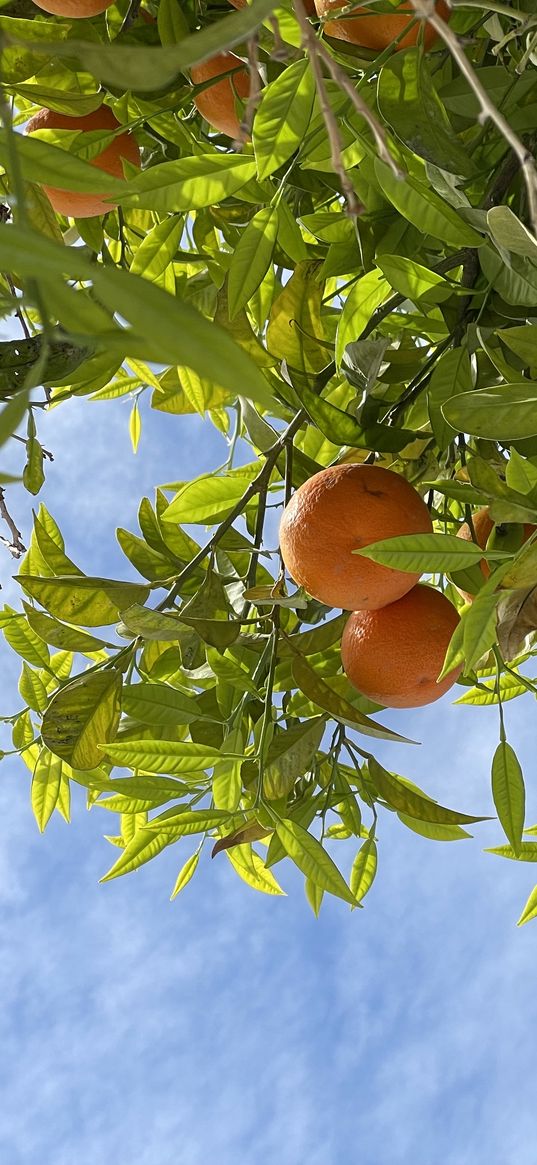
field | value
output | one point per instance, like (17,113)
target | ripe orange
(80,205)
(217,103)
(74,9)
(483,527)
(340,510)
(376,30)
(395,655)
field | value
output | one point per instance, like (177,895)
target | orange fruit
(483,527)
(74,203)
(216,103)
(74,9)
(341,509)
(395,655)
(376,30)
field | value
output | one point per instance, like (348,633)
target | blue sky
(228,1027)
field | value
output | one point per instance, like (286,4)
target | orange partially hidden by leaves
(345,508)
(376,30)
(395,656)
(505,533)
(216,103)
(73,203)
(74,9)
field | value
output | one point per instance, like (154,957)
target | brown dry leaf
(517,617)
(252,832)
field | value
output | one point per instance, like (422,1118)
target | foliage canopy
(354,279)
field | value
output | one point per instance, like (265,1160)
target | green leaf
(158,248)
(144,846)
(413,280)
(508,793)
(343,429)
(527,852)
(310,857)
(452,375)
(319,691)
(210,497)
(146,561)
(152,624)
(188,183)
(230,672)
(163,756)
(486,694)
(59,634)
(479,628)
(32,689)
(530,909)
(314,895)
(400,797)
(250,867)
(135,426)
(516,282)
(505,413)
(185,874)
(508,231)
(180,821)
(12,415)
(290,756)
(319,639)
(251,258)
(522,341)
(433,831)
(365,296)
(425,209)
(521,474)
(295,331)
(283,116)
(85,601)
(227,776)
(23,639)
(426,552)
(364,869)
(83,716)
(159,704)
(410,104)
(45,787)
(33,475)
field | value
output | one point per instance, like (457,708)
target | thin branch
(280,51)
(312,46)
(132,14)
(426,10)
(259,483)
(345,84)
(15,544)
(18,311)
(495,6)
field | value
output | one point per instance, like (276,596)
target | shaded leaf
(83,716)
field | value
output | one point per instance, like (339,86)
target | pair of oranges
(395,641)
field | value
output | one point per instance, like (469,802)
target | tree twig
(245,130)
(312,46)
(345,84)
(256,486)
(15,544)
(426,10)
